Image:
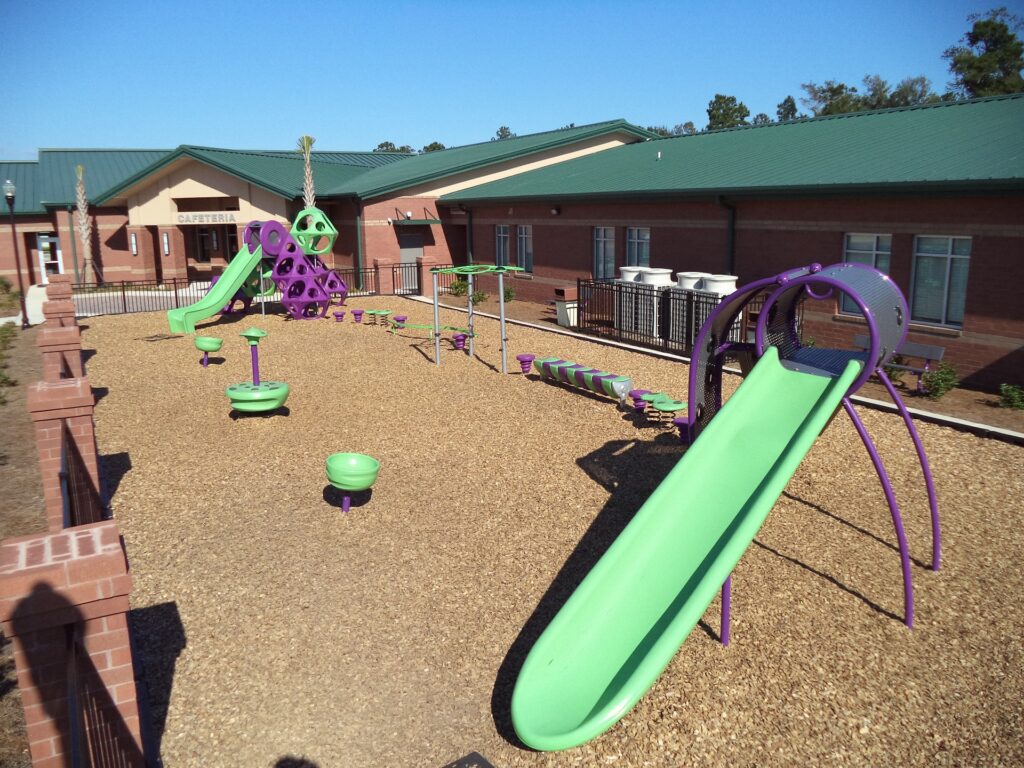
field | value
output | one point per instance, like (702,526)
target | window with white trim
(638,246)
(939,285)
(524,247)
(873,250)
(604,253)
(501,245)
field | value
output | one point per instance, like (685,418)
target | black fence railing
(81,498)
(360,282)
(659,317)
(406,279)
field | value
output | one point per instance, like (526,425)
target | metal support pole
(501,316)
(17,261)
(726,610)
(894,510)
(437,325)
(472,336)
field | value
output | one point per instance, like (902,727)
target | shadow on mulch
(158,638)
(290,761)
(472,760)
(98,393)
(630,471)
(239,415)
(113,468)
(334,496)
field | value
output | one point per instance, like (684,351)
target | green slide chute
(184,319)
(627,619)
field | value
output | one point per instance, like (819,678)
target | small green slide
(627,619)
(184,319)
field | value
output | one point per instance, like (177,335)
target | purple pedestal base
(357,315)
(525,361)
(460,341)
(339,316)
(205,359)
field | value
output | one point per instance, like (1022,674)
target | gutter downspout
(74,245)
(359,242)
(469,236)
(730,236)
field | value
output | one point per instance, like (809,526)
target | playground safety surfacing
(393,635)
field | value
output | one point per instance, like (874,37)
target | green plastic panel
(628,617)
(184,319)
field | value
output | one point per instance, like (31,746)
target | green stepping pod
(628,617)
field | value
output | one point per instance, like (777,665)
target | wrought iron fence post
(175,282)
(124,299)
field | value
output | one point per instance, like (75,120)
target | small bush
(509,293)
(5,285)
(1011,396)
(478,297)
(459,288)
(894,374)
(939,381)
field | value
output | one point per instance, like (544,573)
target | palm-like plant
(84,226)
(308,193)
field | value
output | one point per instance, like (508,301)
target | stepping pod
(206,345)
(350,473)
(256,396)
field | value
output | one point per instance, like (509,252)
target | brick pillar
(426,278)
(59,288)
(59,313)
(174,263)
(64,605)
(385,280)
(49,405)
(144,258)
(61,348)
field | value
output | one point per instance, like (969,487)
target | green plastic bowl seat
(668,405)
(250,398)
(653,397)
(253,335)
(208,343)
(352,471)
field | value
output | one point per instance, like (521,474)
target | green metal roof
(431,166)
(955,145)
(104,168)
(278,171)
(25,175)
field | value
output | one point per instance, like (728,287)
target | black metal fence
(82,502)
(659,317)
(406,279)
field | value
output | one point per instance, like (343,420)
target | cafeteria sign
(207,217)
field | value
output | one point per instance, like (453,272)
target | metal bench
(929,353)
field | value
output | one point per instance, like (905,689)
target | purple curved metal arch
(926,470)
(894,510)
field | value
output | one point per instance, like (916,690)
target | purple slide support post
(726,609)
(894,510)
(254,350)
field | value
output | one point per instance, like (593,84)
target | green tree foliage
(682,129)
(661,130)
(385,146)
(990,56)
(835,98)
(786,109)
(726,112)
(433,146)
(761,119)
(504,132)
(830,98)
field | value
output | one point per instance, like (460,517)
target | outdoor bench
(928,353)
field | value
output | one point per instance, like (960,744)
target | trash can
(566,304)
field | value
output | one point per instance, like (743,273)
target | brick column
(61,348)
(59,288)
(59,313)
(426,278)
(49,406)
(64,604)
(145,258)
(174,264)
(385,281)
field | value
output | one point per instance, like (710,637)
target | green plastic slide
(184,319)
(627,619)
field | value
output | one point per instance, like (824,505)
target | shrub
(5,285)
(939,381)
(1011,396)
(459,288)
(894,374)
(509,293)
(479,297)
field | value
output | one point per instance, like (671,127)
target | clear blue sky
(257,75)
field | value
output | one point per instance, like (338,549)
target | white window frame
(634,244)
(846,305)
(603,240)
(501,245)
(524,247)
(945,322)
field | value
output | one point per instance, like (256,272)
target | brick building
(932,195)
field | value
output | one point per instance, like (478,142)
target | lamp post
(9,190)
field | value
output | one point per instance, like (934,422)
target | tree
(830,98)
(990,56)
(786,109)
(913,90)
(661,130)
(306,149)
(761,119)
(84,226)
(684,129)
(504,132)
(725,112)
(433,146)
(386,146)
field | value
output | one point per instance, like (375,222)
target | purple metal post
(346,502)
(254,350)
(894,510)
(726,609)
(205,360)
(926,470)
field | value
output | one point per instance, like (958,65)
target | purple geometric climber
(305,283)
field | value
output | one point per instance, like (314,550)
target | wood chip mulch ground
(271,626)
